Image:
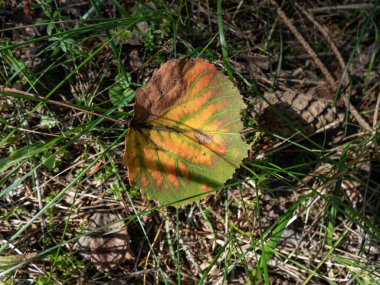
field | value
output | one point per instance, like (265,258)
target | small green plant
(114,190)
(121,94)
(67,268)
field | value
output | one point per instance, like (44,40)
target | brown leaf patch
(109,247)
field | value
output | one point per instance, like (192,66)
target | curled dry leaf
(184,139)
(108,247)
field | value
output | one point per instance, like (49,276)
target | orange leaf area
(184,139)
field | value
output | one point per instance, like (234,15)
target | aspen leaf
(184,139)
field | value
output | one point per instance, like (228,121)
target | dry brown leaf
(109,247)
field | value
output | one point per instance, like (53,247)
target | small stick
(338,55)
(363,124)
(306,46)
(329,40)
(38,98)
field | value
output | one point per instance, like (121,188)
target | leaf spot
(202,138)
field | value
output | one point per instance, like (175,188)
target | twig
(340,59)
(329,40)
(33,97)
(306,45)
(338,55)
(32,131)
(330,79)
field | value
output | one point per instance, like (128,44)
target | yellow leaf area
(192,145)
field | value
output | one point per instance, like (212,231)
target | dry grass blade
(337,8)
(376,113)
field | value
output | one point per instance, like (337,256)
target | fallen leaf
(107,248)
(184,139)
